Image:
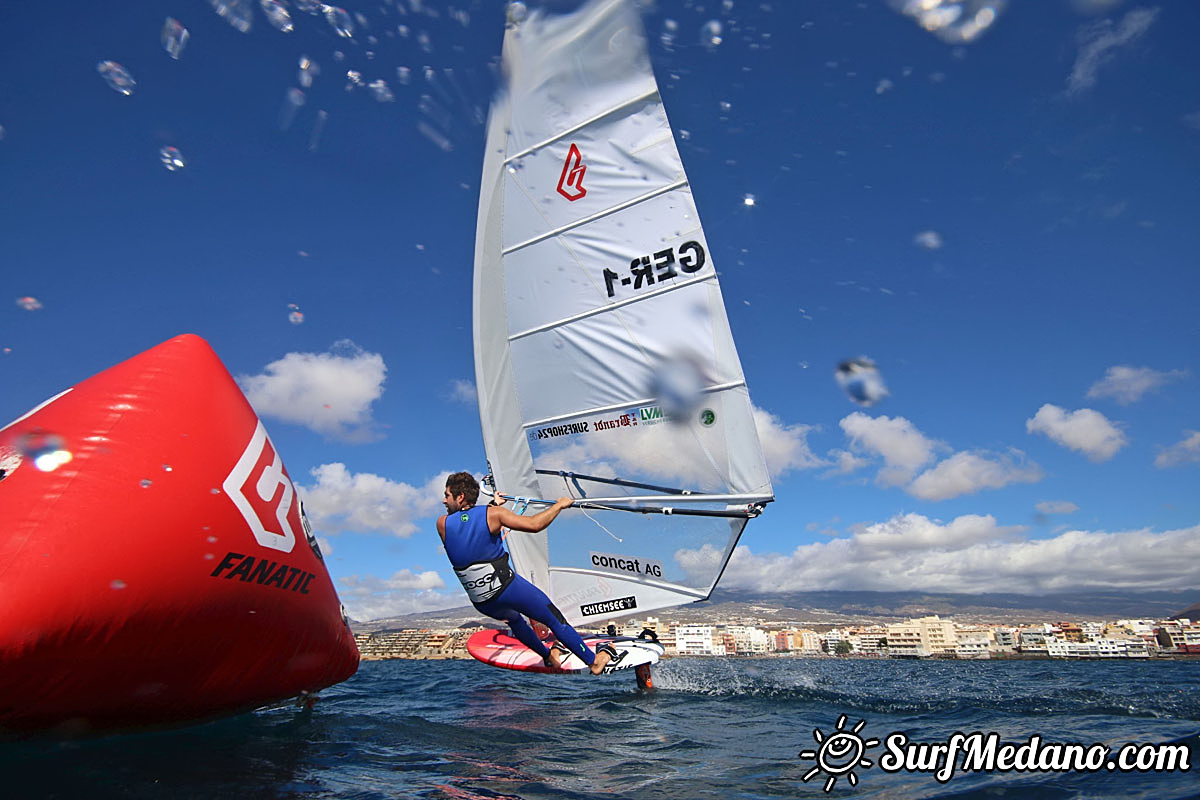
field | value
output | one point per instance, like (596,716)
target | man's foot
(605,654)
(558,654)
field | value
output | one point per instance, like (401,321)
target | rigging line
(595,521)
(650,95)
(633,201)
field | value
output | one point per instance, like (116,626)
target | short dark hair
(463,483)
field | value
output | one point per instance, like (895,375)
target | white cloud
(464,392)
(1086,431)
(967,473)
(1056,507)
(406,592)
(341,501)
(904,449)
(785,447)
(1099,42)
(330,393)
(845,462)
(969,554)
(1127,384)
(930,240)
(1185,451)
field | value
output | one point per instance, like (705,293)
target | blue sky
(1005,226)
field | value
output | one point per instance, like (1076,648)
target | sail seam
(610,307)
(538,423)
(650,95)
(541,237)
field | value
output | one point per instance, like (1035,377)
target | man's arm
(499,516)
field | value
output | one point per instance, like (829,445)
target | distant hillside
(1192,612)
(831,608)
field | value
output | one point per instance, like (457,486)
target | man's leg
(533,602)
(516,623)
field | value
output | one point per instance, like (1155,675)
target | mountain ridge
(830,608)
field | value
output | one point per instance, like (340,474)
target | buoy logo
(262,491)
(570,183)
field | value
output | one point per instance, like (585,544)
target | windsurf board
(499,649)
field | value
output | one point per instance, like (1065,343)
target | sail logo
(609,606)
(625,564)
(646,270)
(263,493)
(570,182)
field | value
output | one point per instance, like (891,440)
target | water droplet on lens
(174,37)
(146,483)
(308,70)
(381,92)
(117,77)
(168,468)
(47,451)
(516,12)
(710,34)
(171,158)
(296,317)
(29,303)
(861,380)
(238,13)
(292,101)
(277,14)
(340,21)
(117,584)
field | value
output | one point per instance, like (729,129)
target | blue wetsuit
(481,562)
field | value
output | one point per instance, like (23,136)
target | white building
(697,640)
(920,638)
(974,643)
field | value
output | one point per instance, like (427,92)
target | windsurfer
(475,548)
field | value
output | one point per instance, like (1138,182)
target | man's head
(462,490)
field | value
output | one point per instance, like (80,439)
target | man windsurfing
(475,547)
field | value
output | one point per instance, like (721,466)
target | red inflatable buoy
(156,567)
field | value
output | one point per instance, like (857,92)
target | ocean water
(715,727)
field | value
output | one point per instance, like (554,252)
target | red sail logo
(570,183)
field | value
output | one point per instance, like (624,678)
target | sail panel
(593,281)
(610,261)
(613,160)
(615,357)
(567,69)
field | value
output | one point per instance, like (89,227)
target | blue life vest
(468,540)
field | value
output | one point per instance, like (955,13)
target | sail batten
(597,216)
(602,343)
(603,309)
(650,95)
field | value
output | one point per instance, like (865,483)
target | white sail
(604,363)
